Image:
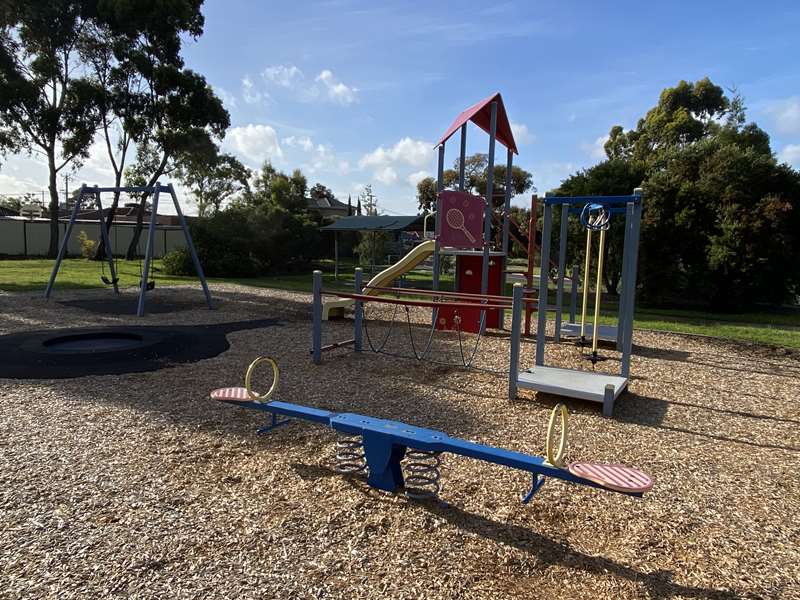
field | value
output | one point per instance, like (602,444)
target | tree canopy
(721,218)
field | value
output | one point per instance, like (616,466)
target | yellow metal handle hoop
(557,460)
(276,373)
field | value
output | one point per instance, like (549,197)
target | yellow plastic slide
(335,308)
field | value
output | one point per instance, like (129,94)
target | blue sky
(357,92)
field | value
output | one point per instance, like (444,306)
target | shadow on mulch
(644,410)
(128,304)
(659,584)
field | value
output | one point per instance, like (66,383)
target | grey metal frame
(151,232)
(633,213)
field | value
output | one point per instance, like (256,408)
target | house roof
(325,203)
(373,223)
(8,212)
(481,114)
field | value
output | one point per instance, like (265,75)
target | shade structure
(480,114)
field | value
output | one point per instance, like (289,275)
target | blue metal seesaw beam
(385,443)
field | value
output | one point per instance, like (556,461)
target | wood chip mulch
(139,485)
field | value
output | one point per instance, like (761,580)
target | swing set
(146,281)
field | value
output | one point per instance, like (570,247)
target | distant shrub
(87,245)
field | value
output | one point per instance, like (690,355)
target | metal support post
(62,250)
(516,327)
(562,265)
(189,243)
(359,313)
(541,326)
(148,253)
(316,318)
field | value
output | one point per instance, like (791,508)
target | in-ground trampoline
(65,353)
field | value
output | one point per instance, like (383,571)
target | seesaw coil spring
(350,454)
(422,474)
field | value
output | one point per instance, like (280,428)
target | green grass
(778,327)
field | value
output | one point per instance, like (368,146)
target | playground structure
(596,213)
(145,283)
(378,446)
(464,230)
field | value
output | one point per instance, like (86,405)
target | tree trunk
(100,253)
(52,250)
(137,231)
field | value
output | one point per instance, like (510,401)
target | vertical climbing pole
(487,217)
(190,244)
(626,257)
(437,246)
(562,265)
(462,157)
(359,313)
(148,253)
(541,325)
(506,216)
(62,250)
(316,319)
(516,327)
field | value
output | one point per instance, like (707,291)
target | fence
(22,237)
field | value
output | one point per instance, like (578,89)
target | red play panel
(231,394)
(462,225)
(614,477)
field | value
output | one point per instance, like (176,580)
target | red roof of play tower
(481,114)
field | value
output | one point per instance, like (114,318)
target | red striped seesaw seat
(232,394)
(614,477)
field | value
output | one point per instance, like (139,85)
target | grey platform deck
(605,333)
(586,385)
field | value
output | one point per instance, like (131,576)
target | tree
(372,243)
(721,217)
(187,119)
(615,177)
(426,195)
(47,104)
(321,193)
(213,181)
(476,169)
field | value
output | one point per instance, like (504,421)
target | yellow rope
(586,266)
(557,460)
(255,396)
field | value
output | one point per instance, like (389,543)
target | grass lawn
(778,327)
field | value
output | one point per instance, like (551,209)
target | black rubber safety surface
(66,353)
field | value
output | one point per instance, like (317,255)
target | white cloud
(786,114)
(228,99)
(596,149)
(254,143)
(336,90)
(415,153)
(15,185)
(283,75)
(414,178)
(325,87)
(303,142)
(249,92)
(386,175)
(521,134)
(790,154)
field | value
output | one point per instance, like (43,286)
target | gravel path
(138,485)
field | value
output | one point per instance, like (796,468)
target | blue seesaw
(383,444)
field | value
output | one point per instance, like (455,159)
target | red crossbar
(413,291)
(422,303)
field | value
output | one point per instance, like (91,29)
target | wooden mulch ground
(139,485)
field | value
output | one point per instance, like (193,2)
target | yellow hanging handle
(557,459)
(276,374)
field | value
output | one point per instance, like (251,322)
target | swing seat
(231,394)
(108,281)
(614,477)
